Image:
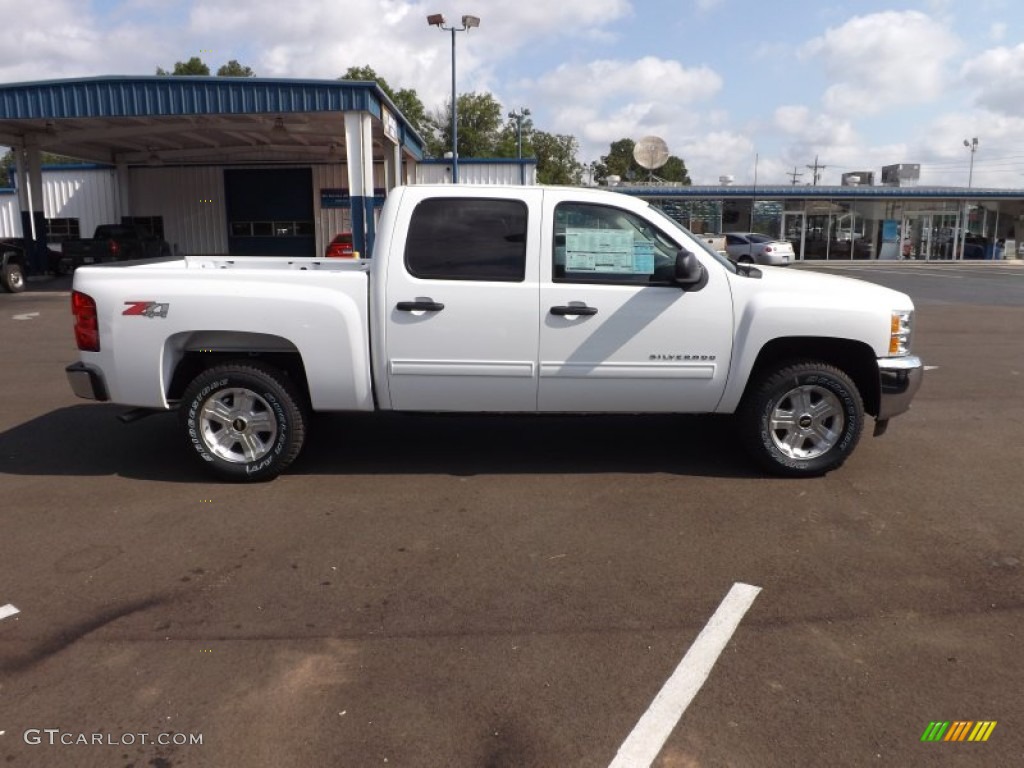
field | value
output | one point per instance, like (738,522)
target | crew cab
(497,299)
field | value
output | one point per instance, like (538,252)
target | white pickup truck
(496,299)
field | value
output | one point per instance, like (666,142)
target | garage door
(270,212)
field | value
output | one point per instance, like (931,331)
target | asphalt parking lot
(460,591)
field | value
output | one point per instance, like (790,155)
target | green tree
(556,158)
(194,66)
(234,69)
(479,126)
(620,162)
(508,139)
(674,169)
(406,99)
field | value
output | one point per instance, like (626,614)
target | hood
(844,289)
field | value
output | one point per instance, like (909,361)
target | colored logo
(959,730)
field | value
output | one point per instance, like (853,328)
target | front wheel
(12,278)
(243,421)
(802,420)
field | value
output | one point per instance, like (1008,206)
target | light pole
(973,146)
(518,117)
(468,22)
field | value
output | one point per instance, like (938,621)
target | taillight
(114,246)
(767,249)
(87,327)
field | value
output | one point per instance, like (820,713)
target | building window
(454,238)
(59,230)
(271,228)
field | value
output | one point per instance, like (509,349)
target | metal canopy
(811,193)
(196,120)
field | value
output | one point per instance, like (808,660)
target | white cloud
(997,31)
(997,160)
(323,38)
(998,77)
(603,101)
(53,39)
(809,130)
(883,59)
(718,153)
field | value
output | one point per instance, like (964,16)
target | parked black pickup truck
(15,263)
(111,242)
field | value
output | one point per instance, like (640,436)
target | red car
(341,247)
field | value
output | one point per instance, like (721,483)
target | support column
(123,190)
(37,252)
(359,157)
(392,166)
(24,209)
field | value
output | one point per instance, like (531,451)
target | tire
(12,278)
(802,419)
(243,421)
(744,260)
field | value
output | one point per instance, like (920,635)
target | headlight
(900,332)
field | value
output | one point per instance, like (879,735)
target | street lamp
(518,117)
(973,146)
(468,22)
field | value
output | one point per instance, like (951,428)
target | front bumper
(87,381)
(900,378)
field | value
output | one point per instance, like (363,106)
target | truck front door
(461,303)
(615,333)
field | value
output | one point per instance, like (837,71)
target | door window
(454,238)
(602,244)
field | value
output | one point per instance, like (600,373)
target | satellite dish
(650,152)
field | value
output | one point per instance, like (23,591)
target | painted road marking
(651,732)
(7,610)
(931,367)
(26,316)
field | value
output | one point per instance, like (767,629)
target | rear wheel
(243,421)
(802,419)
(12,278)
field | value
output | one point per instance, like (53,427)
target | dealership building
(258,166)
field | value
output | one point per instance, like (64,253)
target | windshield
(756,238)
(725,262)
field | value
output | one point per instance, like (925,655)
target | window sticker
(607,251)
(643,257)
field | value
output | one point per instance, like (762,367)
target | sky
(735,87)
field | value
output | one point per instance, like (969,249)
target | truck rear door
(462,301)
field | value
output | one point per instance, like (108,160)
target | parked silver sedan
(755,248)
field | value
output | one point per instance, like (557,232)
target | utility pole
(815,168)
(794,176)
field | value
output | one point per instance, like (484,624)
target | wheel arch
(186,355)
(855,358)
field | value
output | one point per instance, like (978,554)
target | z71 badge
(146,308)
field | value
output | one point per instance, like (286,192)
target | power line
(794,175)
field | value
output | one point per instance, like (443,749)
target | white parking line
(651,732)
(7,610)
(26,316)
(931,367)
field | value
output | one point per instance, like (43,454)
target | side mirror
(689,271)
